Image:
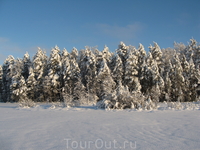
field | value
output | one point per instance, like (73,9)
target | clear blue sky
(28,24)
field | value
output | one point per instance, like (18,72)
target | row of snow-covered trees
(122,79)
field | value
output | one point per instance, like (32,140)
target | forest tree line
(127,78)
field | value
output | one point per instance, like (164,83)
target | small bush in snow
(174,105)
(26,103)
(126,100)
(183,106)
(69,101)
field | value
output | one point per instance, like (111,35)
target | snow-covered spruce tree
(31,85)
(167,88)
(75,73)
(196,52)
(16,77)
(65,68)
(123,52)
(75,70)
(116,99)
(158,66)
(178,80)
(88,69)
(18,87)
(156,53)
(74,54)
(185,65)
(66,96)
(1,84)
(158,84)
(73,91)
(105,84)
(142,54)
(147,75)
(19,91)
(107,55)
(39,64)
(167,69)
(116,69)
(65,55)
(131,73)
(189,50)
(79,93)
(141,59)
(190,64)
(7,78)
(26,65)
(99,58)
(167,55)
(51,84)
(157,56)
(152,82)
(191,80)
(145,79)
(40,71)
(167,76)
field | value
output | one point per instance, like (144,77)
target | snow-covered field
(48,128)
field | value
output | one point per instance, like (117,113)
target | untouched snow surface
(45,128)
